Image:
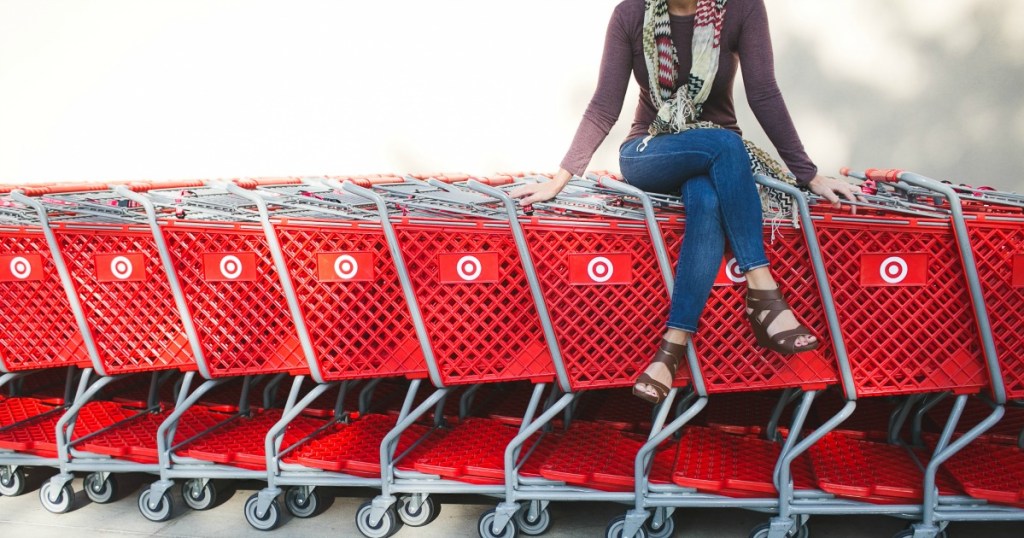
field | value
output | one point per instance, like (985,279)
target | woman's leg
(719,159)
(701,254)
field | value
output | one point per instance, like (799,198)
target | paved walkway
(23,516)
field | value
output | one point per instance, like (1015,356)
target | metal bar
(531,277)
(277,254)
(172,277)
(820,278)
(403,275)
(65,277)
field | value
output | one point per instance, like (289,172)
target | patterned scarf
(678,110)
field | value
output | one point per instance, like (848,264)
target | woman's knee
(730,144)
(700,197)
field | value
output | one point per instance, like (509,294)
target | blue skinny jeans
(710,170)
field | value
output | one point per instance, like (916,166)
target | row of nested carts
(422,336)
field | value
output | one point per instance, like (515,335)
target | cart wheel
(486,527)
(762,530)
(909,533)
(667,529)
(535,527)
(617,526)
(300,506)
(100,491)
(388,525)
(199,497)
(12,483)
(269,521)
(162,511)
(427,512)
(65,497)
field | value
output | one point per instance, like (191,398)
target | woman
(685,140)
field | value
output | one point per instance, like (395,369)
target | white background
(135,89)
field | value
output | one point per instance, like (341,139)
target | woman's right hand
(535,193)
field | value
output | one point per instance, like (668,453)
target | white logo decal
(600,269)
(732,271)
(894,270)
(346,267)
(230,267)
(121,267)
(21,268)
(469,268)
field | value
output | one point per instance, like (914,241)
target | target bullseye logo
(20,268)
(344,266)
(733,273)
(229,266)
(729,273)
(121,267)
(468,267)
(603,268)
(600,269)
(894,269)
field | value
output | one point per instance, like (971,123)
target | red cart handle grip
(885,175)
(496,181)
(367,182)
(65,188)
(169,184)
(252,183)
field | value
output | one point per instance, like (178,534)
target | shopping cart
(900,275)
(473,303)
(232,305)
(39,335)
(645,470)
(988,468)
(349,308)
(126,319)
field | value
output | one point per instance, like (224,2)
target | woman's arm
(602,113)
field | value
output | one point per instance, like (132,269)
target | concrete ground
(23,516)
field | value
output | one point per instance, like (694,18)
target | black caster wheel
(268,521)
(160,512)
(388,525)
(486,527)
(535,527)
(302,506)
(60,505)
(667,529)
(98,490)
(197,496)
(427,511)
(617,526)
(12,482)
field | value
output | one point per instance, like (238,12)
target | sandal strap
(669,354)
(764,295)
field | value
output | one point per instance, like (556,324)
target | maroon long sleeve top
(746,44)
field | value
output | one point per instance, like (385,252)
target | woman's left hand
(833,189)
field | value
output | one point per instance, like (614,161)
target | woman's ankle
(676,336)
(760,279)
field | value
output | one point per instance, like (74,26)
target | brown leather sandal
(668,354)
(771,301)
